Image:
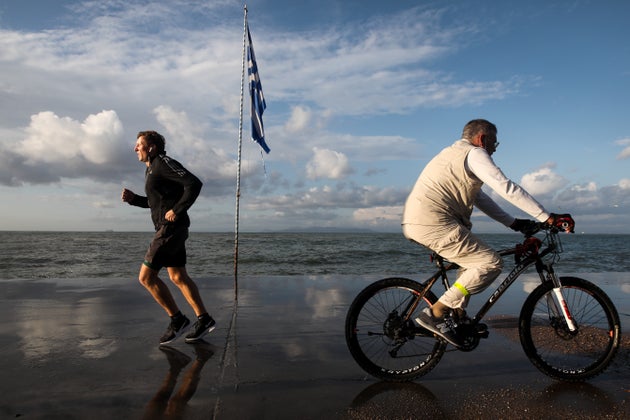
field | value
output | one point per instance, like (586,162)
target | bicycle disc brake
(562,329)
(398,331)
(392,326)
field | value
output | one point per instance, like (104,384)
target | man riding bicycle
(437,215)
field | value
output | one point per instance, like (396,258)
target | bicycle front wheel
(382,335)
(552,347)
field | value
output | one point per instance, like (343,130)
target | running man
(170,191)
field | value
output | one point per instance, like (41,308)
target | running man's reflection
(167,405)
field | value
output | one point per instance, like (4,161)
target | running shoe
(174,330)
(445,327)
(201,328)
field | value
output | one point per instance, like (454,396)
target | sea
(85,255)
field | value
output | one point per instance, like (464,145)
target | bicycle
(568,327)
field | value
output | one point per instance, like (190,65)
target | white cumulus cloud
(185,141)
(299,119)
(54,139)
(589,187)
(327,163)
(543,181)
(625,153)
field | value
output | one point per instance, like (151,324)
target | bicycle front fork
(559,304)
(564,309)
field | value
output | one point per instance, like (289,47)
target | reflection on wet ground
(167,404)
(558,400)
(77,349)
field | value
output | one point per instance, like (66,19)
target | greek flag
(257,99)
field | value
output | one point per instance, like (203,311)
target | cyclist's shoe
(201,328)
(445,327)
(174,330)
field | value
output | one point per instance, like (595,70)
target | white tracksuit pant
(480,264)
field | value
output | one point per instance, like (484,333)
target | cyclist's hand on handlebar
(528,227)
(562,221)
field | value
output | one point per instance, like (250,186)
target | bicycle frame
(527,254)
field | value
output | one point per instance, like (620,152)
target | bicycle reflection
(584,399)
(408,400)
(165,403)
(396,400)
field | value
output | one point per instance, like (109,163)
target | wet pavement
(77,349)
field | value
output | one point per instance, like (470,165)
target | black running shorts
(167,249)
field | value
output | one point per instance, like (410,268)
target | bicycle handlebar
(561,222)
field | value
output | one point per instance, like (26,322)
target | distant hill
(326,230)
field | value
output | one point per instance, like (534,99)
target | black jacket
(168,186)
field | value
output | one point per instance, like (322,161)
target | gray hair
(475,127)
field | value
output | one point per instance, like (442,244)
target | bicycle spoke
(560,352)
(383,339)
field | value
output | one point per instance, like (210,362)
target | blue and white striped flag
(257,99)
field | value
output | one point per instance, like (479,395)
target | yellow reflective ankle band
(461,289)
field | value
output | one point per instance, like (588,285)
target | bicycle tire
(410,352)
(558,352)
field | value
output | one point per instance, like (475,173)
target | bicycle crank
(472,334)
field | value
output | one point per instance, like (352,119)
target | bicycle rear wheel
(382,335)
(557,351)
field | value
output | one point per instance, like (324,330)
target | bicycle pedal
(482,330)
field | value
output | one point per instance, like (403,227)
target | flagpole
(238,172)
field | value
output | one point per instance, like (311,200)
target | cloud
(378,215)
(343,204)
(625,153)
(300,118)
(178,123)
(175,67)
(369,72)
(581,196)
(186,74)
(340,195)
(51,139)
(53,147)
(589,199)
(543,181)
(587,188)
(362,148)
(327,164)
(203,155)
(588,202)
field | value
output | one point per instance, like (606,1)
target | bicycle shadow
(582,398)
(400,400)
(405,400)
(168,404)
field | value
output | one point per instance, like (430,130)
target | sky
(360,96)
